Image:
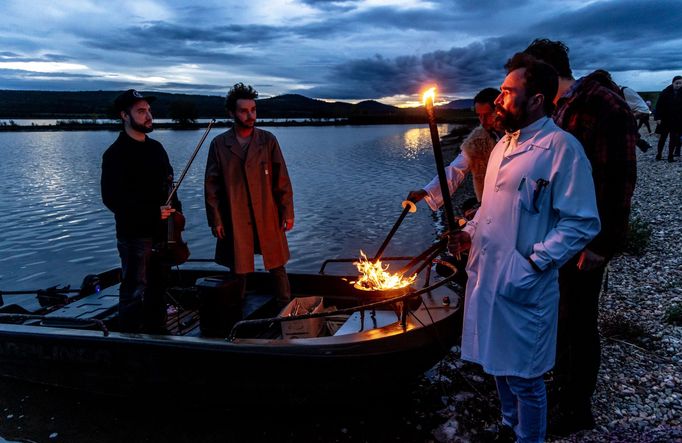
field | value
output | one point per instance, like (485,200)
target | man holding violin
(136,178)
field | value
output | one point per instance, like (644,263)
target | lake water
(348,181)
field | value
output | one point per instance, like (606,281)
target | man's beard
(242,124)
(140,128)
(510,121)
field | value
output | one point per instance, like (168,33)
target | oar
(408,206)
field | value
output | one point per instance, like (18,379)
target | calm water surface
(348,185)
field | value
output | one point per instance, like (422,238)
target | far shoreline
(86,126)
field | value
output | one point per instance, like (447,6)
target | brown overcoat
(238,191)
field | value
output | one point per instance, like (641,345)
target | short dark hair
(677,77)
(554,53)
(540,78)
(239,92)
(487,95)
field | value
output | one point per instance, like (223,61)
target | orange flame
(373,276)
(430,93)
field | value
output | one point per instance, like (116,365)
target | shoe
(671,160)
(643,145)
(498,434)
(658,157)
(561,424)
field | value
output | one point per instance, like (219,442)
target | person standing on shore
(538,210)
(136,179)
(598,116)
(475,149)
(669,118)
(248,194)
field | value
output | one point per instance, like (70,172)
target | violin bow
(189,163)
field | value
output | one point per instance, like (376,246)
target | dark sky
(388,50)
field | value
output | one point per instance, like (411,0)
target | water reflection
(348,185)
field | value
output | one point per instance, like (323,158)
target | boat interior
(201,302)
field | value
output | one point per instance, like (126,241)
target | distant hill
(79,105)
(465,103)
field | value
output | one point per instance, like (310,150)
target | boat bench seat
(98,306)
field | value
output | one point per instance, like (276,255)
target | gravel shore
(639,392)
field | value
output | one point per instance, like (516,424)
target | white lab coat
(510,310)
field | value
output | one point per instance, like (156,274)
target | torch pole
(438,154)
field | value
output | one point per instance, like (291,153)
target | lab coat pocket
(520,279)
(532,194)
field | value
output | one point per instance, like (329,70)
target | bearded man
(136,179)
(538,210)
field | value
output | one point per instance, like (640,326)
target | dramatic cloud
(348,49)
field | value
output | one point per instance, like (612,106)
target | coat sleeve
(281,184)
(214,188)
(573,199)
(454,173)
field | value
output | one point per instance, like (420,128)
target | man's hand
(218,232)
(166,211)
(416,196)
(288,224)
(588,260)
(459,242)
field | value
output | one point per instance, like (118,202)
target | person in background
(594,112)
(669,118)
(136,179)
(248,194)
(639,107)
(538,210)
(475,149)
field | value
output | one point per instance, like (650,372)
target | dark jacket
(250,199)
(136,178)
(669,109)
(601,120)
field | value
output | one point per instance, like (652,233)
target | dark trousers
(142,303)
(280,284)
(643,119)
(673,144)
(578,348)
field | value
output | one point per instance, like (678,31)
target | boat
(351,339)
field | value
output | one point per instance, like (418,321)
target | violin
(176,251)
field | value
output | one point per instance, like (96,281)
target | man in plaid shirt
(592,109)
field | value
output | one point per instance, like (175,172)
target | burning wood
(374,276)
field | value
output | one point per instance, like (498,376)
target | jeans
(141,294)
(524,406)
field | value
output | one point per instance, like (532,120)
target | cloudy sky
(387,50)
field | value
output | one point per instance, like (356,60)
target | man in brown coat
(249,199)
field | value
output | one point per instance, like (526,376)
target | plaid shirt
(602,121)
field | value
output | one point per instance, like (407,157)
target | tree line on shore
(83,109)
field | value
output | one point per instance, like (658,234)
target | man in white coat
(538,210)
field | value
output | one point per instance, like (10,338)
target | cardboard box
(307,328)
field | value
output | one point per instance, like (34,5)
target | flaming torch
(428,98)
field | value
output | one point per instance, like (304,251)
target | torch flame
(430,93)
(373,276)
